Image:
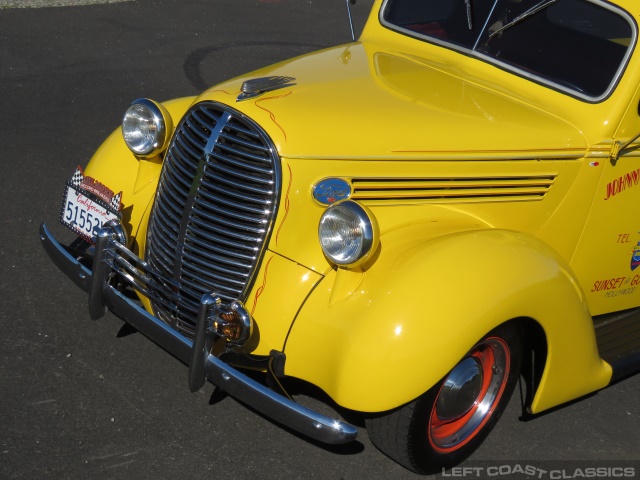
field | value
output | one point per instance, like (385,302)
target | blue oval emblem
(331,190)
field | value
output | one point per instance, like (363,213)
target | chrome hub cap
(460,390)
(469,395)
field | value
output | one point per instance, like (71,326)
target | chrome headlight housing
(348,233)
(146,127)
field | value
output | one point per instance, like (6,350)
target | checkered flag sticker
(78,177)
(115,201)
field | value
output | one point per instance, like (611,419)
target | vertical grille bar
(216,201)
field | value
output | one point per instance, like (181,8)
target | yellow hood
(358,101)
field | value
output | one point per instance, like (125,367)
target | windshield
(577,46)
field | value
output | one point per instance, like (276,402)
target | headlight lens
(145,128)
(348,233)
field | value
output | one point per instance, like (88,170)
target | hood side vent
(458,189)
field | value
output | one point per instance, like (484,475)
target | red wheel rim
(469,395)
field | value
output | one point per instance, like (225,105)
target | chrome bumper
(102,296)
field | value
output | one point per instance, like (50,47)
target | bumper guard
(202,364)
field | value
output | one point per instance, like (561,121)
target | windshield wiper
(533,10)
(469,15)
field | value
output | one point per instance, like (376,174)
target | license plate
(85,213)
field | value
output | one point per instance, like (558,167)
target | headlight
(348,233)
(146,127)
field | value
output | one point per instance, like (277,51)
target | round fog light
(232,322)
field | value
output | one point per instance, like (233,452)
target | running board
(618,338)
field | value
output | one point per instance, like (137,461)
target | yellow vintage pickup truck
(412,222)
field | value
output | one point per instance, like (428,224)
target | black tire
(448,423)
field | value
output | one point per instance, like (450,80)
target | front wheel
(446,424)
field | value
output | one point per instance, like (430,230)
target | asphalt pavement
(53,3)
(95,400)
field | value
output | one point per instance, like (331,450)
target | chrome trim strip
(448,156)
(314,425)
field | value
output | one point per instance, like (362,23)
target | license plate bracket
(84,212)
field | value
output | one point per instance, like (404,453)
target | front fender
(118,168)
(422,305)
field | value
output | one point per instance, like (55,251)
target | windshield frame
(475,53)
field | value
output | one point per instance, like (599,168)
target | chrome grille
(213,211)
